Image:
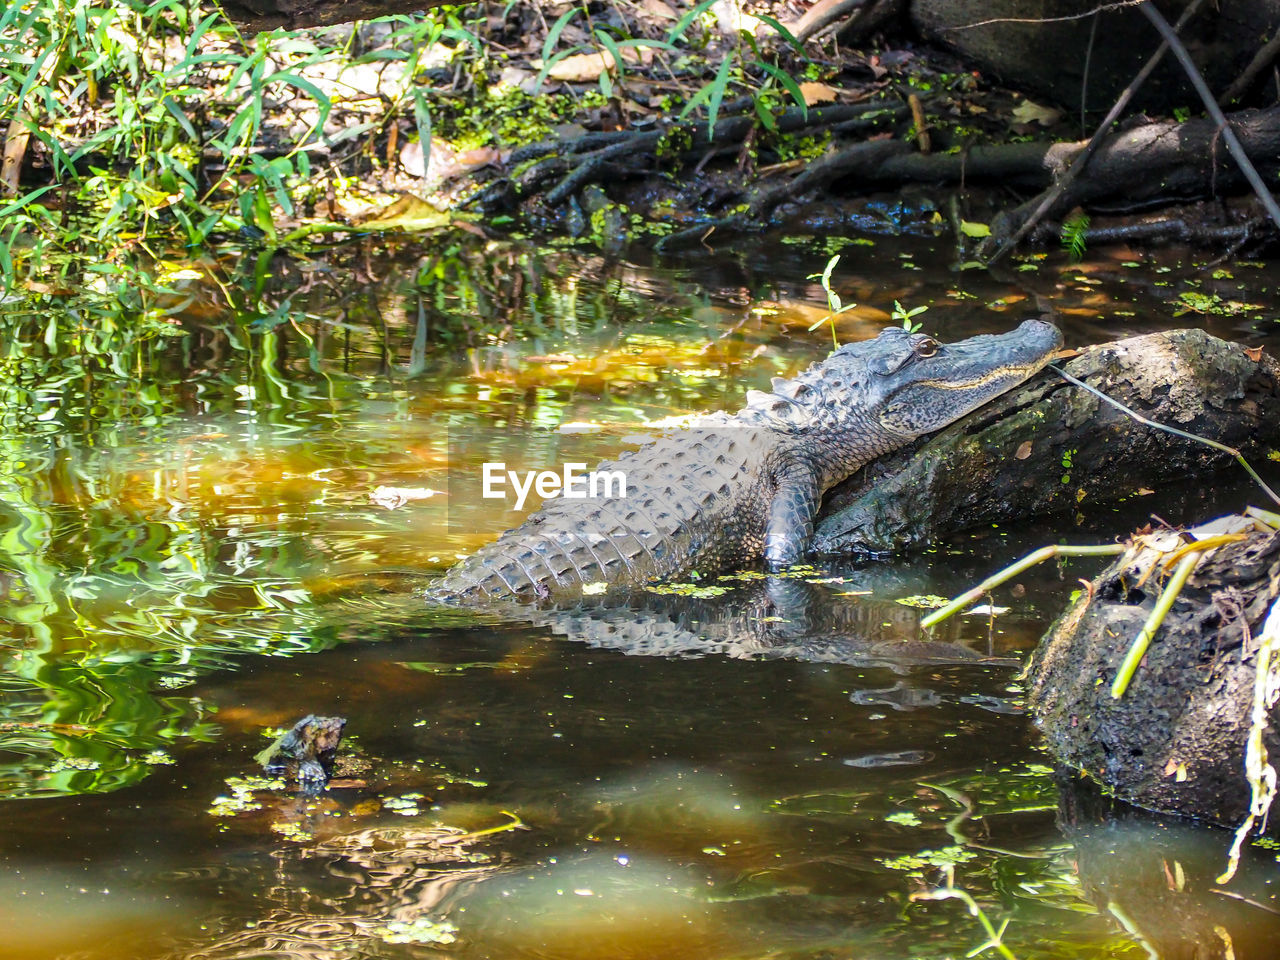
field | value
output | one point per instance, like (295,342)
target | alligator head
(906,384)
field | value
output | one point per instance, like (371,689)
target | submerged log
(1175,740)
(1160,876)
(1051,446)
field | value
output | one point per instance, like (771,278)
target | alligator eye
(926,347)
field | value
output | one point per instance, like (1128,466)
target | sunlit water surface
(205,538)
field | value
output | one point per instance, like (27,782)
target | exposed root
(566,167)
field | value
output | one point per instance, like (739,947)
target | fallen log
(1174,741)
(1156,161)
(1051,447)
(1145,166)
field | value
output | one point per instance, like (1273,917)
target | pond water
(207,536)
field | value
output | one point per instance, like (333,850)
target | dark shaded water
(180,524)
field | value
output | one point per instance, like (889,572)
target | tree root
(563,168)
(1175,229)
(1157,161)
(1047,200)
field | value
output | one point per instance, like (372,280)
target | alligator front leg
(791,513)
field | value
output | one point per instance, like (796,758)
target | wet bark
(1147,165)
(1050,447)
(1175,741)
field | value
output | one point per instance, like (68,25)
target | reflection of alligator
(847,619)
(739,488)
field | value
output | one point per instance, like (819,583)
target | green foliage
(904,317)
(835,305)
(1073,235)
(162,126)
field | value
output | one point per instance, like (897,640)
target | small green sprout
(903,316)
(835,305)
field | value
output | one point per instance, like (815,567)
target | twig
(1011,571)
(1168,429)
(1138,649)
(1211,106)
(1168,229)
(1261,60)
(1055,192)
(822,14)
(700,231)
(918,119)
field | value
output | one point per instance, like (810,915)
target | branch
(1228,135)
(1054,193)
(1261,60)
(823,14)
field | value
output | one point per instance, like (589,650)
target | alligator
(736,489)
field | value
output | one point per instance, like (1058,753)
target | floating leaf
(1029,112)
(410,212)
(923,601)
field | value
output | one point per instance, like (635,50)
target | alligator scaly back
(734,489)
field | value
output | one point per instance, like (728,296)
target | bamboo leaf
(788,84)
(783,32)
(422,118)
(765,114)
(557,28)
(718,86)
(677,32)
(609,44)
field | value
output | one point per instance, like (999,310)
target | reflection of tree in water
(378,884)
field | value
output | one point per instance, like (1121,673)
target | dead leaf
(1176,769)
(1030,112)
(585,67)
(1066,353)
(579,68)
(410,212)
(393,497)
(814,92)
(659,10)
(1143,492)
(1024,450)
(1253,353)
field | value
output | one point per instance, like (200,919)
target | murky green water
(206,537)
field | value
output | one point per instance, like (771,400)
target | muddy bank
(1051,447)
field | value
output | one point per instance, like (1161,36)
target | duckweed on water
(241,798)
(74,763)
(293,831)
(924,601)
(448,669)
(405,805)
(421,930)
(904,817)
(943,857)
(688,590)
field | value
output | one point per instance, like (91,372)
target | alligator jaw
(956,379)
